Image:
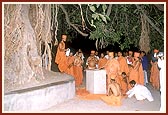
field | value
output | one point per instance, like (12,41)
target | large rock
(54,89)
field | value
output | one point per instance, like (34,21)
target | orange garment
(61,58)
(112,100)
(112,68)
(124,68)
(136,72)
(78,74)
(102,62)
(70,69)
(123,64)
(124,85)
(154,77)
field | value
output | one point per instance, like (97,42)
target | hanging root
(144,42)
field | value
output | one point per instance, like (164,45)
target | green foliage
(92,8)
(123,26)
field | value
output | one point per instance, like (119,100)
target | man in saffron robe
(102,61)
(113,94)
(123,67)
(136,71)
(61,58)
(91,61)
(124,84)
(107,55)
(123,63)
(130,57)
(70,61)
(154,75)
(112,68)
(78,70)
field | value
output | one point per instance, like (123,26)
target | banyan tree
(32,30)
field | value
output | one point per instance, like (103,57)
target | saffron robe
(61,58)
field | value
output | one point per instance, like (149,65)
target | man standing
(136,70)
(161,65)
(61,58)
(78,70)
(112,68)
(144,61)
(140,92)
(123,63)
(70,62)
(102,61)
(91,61)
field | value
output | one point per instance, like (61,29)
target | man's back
(115,88)
(141,92)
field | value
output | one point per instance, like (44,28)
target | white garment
(106,56)
(161,64)
(140,92)
(68,52)
(97,57)
(145,77)
(128,62)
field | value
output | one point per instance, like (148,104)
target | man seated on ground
(114,88)
(140,91)
(124,83)
(113,94)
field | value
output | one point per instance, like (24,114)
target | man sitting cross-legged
(113,94)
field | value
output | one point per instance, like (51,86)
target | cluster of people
(126,74)
(69,63)
(157,77)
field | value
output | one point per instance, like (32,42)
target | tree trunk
(144,42)
(22,62)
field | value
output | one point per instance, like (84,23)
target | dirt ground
(78,105)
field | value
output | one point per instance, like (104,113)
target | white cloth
(106,56)
(145,77)
(68,52)
(140,92)
(128,62)
(161,65)
(97,57)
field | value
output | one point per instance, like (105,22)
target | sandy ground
(78,105)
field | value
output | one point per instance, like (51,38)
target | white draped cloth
(161,64)
(141,92)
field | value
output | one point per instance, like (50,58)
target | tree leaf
(107,17)
(103,18)
(104,7)
(97,5)
(92,8)
(95,16)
